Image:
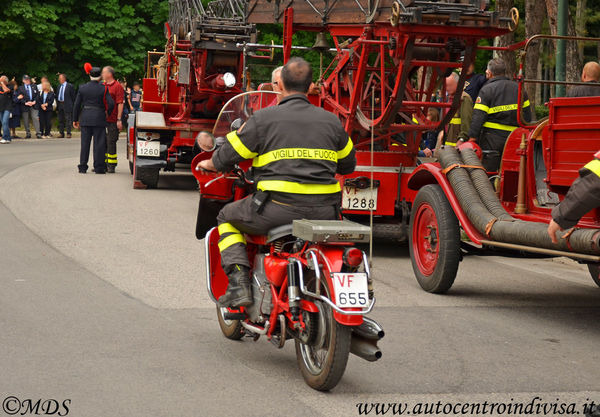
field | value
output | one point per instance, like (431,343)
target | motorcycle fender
(308,306)
(216,279)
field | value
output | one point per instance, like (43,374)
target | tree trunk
(580,25)
(574,64)
(534,19)
(509,57)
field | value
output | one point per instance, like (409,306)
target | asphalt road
(103,303)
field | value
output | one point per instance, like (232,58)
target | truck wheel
(434,240)
(148,176)
(232,329)
(595,273)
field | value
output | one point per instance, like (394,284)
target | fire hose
(484,209)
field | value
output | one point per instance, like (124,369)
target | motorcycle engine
(260,310)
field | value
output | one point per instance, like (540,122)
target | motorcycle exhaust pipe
(365,348)
(369,329)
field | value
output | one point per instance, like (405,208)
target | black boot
(239,293)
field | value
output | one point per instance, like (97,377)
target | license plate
(359,199)
(351,290)
(148,148)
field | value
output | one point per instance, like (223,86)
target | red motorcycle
(309,281)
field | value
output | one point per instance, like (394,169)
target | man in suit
(92,104)
(65,99)
(27,95)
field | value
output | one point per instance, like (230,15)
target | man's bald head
(591,72)
(452,83)
(296,76)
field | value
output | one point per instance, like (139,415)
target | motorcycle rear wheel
(232,329)
(322,367)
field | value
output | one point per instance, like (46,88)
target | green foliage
(541,111)
(50,36)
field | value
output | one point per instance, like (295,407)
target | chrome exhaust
(365,348)
(364,340)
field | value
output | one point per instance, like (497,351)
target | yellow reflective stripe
(499,126)
(526,104)
(231,240)
(455,121)
(347,149)
(240,148)
(112,161)
(506,107)
(594,166)
(298,188)
(415,121)
(111,155)
(227,228)
(481,107)
(295,153)
(450,143)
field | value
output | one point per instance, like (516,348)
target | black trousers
(45,122)
(98,133)
(111,144)
(241,217)
(65,119)
(493,143)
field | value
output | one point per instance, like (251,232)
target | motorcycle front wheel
(232,329)
(323,362)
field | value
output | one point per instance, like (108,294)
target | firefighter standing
(92,104)
(297,149)
(495,113)
(583,196)
(458,128)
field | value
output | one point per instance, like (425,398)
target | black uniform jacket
(590,90)
(296,148)
(49,100)
(92,103)
(495,109)
(583,196)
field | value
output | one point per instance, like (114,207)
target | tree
(509,57)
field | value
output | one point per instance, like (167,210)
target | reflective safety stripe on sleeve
(227,228)
(455,121)
(240,148)
(298,188)
(481,107)
(347,149)
(594,166)
(230,241)
(499,126)
(295,153)
(450,143)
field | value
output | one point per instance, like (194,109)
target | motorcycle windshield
(240,108)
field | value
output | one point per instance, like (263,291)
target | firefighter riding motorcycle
(310,283)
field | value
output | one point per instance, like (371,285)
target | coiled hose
(500,226)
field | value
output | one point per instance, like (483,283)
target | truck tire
(595,272)
(434,240)
(232,329)
(148,176)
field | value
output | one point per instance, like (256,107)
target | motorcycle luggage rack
(324,299)
(331,231)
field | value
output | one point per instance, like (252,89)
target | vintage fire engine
(390,58)
(200,69)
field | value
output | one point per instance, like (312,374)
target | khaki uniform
(459,125)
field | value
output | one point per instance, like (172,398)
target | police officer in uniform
(583,196)
(92,104)
(297,149)
(495,113)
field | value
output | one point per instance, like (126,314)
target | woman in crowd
(44,104)
(15,114)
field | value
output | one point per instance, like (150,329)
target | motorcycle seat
(279,232)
